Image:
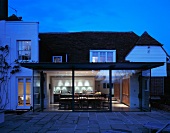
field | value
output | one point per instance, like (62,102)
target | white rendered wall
(10,32)
(134,91)
(149,54)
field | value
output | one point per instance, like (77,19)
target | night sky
(138,16)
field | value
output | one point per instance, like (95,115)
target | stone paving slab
(85,122)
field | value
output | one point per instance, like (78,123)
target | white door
(24,93)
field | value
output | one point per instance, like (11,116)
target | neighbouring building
(81,71)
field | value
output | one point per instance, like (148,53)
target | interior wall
(117,90)
(104,90)
(126,91)
(64,85)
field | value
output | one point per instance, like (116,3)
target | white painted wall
(10,32)
(149,54)
(134,91)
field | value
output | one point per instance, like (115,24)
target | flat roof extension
(93,66)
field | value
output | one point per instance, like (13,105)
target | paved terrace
(86,122)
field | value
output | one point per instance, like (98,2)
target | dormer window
(57,59)
(102,56)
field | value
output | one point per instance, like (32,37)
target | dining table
(82,102)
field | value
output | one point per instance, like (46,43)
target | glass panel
(57,59)
(94,56)
(145,90)
(126,90)
(102,56)
(89,92)
(28,92)
(109,56)
(20,92)
(20,46)
(61,90)
(36,90)
(24,49)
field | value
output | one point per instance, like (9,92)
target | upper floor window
(102,55)
(24,50)
(57,59)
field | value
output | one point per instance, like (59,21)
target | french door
(24,93)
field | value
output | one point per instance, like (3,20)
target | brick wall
(157,86)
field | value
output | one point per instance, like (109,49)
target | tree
(6,71)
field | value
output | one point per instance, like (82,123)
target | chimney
(3,9)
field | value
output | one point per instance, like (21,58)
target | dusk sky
(138,16)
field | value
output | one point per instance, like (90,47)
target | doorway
(24,93)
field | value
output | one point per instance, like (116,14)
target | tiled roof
(78,44)
(146,39)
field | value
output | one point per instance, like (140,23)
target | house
(80,71)
(97,63)
(22,39)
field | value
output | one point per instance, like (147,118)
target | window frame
(23,42)
(106,55)
(60,61)
(25,80)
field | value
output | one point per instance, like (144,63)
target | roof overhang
(93,66)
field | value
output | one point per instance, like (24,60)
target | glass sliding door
(91,90)
(80,90)
(36,90)
(61,89)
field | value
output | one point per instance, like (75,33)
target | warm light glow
(22,98)
(64,88)
(27,97)
(67,83)
(119,105)
(86,83)
(57,88)
(60,83)
(83,88)
(80,83)
(89,89)
(77,89)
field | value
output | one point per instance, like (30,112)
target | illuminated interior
(91,90)
(24,94)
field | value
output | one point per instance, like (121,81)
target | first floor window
(57,59)
(24,50)
(95,57)
(102,55)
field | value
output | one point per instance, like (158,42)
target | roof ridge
(86,32)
